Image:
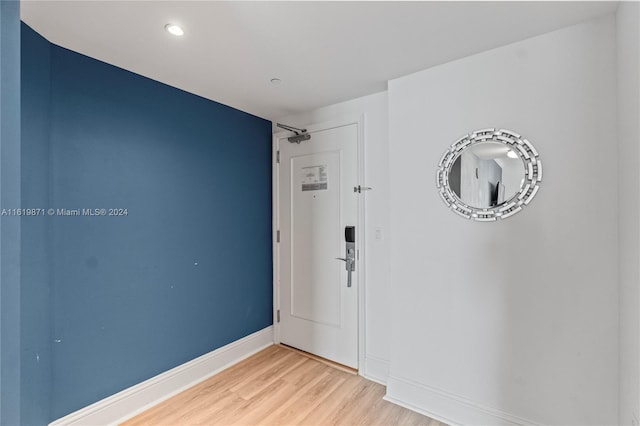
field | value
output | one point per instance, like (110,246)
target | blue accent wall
(9,226)
(36,268)
(187,270)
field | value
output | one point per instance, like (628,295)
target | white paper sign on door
(314,178)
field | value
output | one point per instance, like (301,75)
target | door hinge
(278,315)
(278,236)
(278,157)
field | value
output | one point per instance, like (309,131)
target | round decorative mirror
(489,174)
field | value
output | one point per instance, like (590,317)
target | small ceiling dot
(276,81)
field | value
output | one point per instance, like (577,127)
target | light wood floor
(280,386)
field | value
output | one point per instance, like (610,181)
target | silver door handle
(350,267)
(350,252)
(350,262)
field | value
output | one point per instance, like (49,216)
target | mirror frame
(528,189)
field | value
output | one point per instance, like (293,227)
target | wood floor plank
(257,384)
(261,405)
(304,373)
(309,398)
(332,403)
(257,410)
(279,386)
(350,401)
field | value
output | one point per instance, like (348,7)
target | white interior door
(318,311)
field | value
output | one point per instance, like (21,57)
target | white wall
(377,322)
(628,47)
(515,320)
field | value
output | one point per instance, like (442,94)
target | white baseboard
(446,407)
(138,398)
(376,369)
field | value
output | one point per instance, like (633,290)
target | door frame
(360,227)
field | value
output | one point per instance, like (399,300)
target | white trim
(447,407)
(361,247)
(275,202)
(376,369)
(360,226)
(138,398)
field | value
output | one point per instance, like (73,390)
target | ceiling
(324,52)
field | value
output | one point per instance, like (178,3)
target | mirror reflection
(486,174)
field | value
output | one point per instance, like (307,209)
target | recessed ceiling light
(276,81)
(512,154)
(174,29)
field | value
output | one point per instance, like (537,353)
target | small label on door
(314,178)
